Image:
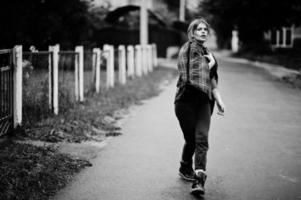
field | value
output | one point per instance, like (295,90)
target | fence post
(107,52)
(283,37)
(144,60)
(155,56)
(81,74)
(234,41)
(18,71)
(277,38)
(76,66)
(97,60)
(130,61)
(50,80)
(94,68)
(80,71)
(138,58)
(112,69)
(55,79)
(149,58)
(121,65)
(152,57)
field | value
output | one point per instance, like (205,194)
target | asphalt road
(255,149)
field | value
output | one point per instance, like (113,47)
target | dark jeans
(194,112)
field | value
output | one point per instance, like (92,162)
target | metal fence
(89,72)
(66,79)
(6,91)
(35,86)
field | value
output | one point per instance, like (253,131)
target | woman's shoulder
(183,48)
(185,45)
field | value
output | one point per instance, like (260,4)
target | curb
(275,70)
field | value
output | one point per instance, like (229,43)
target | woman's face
(201,32)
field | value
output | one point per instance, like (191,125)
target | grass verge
(289,59)
(97,115)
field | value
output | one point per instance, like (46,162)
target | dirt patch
(33,172)
(293,80)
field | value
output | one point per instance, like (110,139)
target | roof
(114,15)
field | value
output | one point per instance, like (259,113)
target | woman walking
(196,95)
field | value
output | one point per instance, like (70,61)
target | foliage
(250,17)
(171,11)
(98,15)
(46,22)
(172,5)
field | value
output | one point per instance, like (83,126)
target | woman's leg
(201,133)
(186,116)
(201,144)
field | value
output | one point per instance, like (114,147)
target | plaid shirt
(199,73)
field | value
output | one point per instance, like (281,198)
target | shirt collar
(199,45)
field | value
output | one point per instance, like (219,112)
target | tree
(98,15)
(44,22)
(172,4)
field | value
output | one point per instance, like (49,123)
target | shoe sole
(197,192)
(185,178)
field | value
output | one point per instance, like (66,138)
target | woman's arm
(213,83)
(217,96)
(219,101)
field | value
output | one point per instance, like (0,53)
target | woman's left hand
(221,106)
(211,59)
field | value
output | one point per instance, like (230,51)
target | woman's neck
(201,43)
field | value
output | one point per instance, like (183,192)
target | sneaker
(197,187)
(186,172)
(187,175)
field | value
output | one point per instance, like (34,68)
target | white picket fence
(133,61)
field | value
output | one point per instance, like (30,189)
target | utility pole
(143,23)
(182,10)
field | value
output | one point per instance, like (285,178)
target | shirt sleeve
(182,60)
(213,83)
(213,72)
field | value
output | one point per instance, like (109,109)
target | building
(285,37)
(123,29)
